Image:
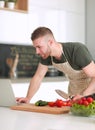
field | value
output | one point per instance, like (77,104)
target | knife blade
(62,93)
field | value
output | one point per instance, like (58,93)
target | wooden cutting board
(42,109)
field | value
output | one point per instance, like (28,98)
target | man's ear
(50,42)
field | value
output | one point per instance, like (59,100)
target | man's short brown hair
(39,32)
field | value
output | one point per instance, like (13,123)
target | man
(73,59)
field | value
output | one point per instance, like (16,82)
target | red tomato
(59,103)
(64,103)
(86,103)
(51,104)
(89,99)
(83,98)
(80,101)
(69,103)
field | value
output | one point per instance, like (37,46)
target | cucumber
(41,103)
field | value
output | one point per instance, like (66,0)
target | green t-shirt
(76,54)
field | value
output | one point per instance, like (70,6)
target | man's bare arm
(34,83)
(36,80)
(90,72)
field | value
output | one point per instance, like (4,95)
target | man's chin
(44,57)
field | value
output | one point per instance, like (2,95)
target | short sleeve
(46,61)
(83,56)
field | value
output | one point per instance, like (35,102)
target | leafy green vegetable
(83,110)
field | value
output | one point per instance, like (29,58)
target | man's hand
(22,100)
(76,97)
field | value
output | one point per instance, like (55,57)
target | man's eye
(38,47)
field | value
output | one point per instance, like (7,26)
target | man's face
(42,48)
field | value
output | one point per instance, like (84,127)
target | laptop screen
(7,97)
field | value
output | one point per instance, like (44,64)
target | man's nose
(37,51)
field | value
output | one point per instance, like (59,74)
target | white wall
(13,27)
(90,26)
(64,17)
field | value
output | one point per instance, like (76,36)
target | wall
(13,27)
(90,26)
(64,17)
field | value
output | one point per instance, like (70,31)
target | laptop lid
(7,97)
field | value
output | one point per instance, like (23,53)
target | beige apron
(78,81)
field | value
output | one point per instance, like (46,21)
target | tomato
(64,103)
(59,103)
(80,101)
(86,103)
(51,104)
(83,98)
(69,103)
(89,99)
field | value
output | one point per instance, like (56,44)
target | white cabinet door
(13,27)
(53,19)
(75,27)
(66,5)
(66,20)
(43,3)
(76,6)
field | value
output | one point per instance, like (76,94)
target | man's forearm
(33,88)
(91,88)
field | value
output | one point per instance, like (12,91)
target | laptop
(7,97)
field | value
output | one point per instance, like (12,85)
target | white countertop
(22,120)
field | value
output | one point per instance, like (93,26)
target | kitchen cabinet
(54,19)
(53,4)
(66,26)
(13,27)
(66,18)
(66,5)
(75,27)
(74,6)
(21,6)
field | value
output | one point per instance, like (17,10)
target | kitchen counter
(22,120)
(46,79)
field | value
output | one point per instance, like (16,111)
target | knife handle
(92,95)
(71,97)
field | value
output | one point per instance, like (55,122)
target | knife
(62,93)
(67,96)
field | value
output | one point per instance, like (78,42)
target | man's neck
(59,51)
